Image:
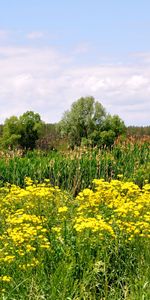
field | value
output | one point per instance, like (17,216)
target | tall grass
(75,170)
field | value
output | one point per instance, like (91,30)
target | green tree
(30,129)
(111,128)
(23,131)
(11,132)
(85,116)
(114,123)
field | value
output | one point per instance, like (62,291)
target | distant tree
(111,128)
(30,129)
(138,130)
(115,124)
(88,124)
(23,131)
(11,132)
(49,138)
(85,116)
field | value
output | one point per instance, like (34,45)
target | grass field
(65,235)
(75,170)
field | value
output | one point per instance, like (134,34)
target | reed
(75,170)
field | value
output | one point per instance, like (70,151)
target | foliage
(50,137)
(85,116)
(104,138)
(115,124)
(30,127)
(138,130)
(22,132)
(92,247)
(11,132)
(75,170)
(88,124)
(111,128)
(1,129)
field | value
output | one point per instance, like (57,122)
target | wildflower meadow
(58,246)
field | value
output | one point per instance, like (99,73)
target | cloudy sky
(54,52)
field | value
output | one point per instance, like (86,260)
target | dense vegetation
(95,246)
(75,211)
(87,123)
(75,170)
(138,130)
(22,132)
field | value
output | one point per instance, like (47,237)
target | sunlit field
(75,170)
(75,225)
(94,246)
(75,150)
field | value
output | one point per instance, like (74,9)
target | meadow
(75,170)
(75,225)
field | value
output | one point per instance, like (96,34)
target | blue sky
(54,52)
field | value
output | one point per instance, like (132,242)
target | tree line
(86,123)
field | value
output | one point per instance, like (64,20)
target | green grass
(78,265)
(75,170)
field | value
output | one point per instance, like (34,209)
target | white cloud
(3,34)
(35,35)
(143,57)
(81,48)
(48,82)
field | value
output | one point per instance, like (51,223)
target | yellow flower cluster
(116,207)
(34,219)
(28,216)
(5,278)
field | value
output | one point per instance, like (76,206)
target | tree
(115,124)
(23,131)
(30,128)
(88,124)
(111,128)
(11,132)
(85,116)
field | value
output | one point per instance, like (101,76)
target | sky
(54,52)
